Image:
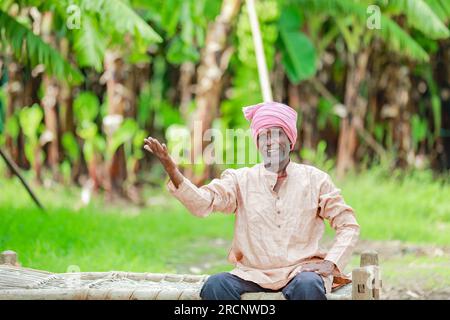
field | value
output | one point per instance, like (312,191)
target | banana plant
(131,137)
(419,128)
(31,49)
(135,155)
(106,24)
(30,120)
(101,23)
(351,20)
(299,54)
(182,22)
(318,157)
(72,150)
(86,109)
(351,17)
(2,115)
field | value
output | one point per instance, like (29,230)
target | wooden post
(366,279)
(8,257)
(369,258)
(377,284)
(360,284)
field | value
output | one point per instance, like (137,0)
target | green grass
(102,237)
(414,208)
(96,241)
(163,237)
(432,273)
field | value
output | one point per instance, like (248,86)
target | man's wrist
(171,171)
(174,174)
(169,165)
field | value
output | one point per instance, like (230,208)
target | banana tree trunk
(214,61)
(348,137)
(50,101)
(442,72)
(114,76)
(66,116)
(66,94)
(14,88)
(21,91)
(308,105)
(187,71)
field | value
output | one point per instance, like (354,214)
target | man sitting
(280,208)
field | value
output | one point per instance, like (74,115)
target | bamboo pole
(99,294)
(131,294)
(259,52)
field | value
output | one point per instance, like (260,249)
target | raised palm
(158,149)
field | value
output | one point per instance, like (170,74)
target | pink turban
(272,114)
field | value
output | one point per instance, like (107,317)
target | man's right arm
(219,195)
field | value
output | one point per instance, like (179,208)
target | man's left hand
(324,268)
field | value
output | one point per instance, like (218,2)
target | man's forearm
(344,244)
(174,174)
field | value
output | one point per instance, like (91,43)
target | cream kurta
(276,233)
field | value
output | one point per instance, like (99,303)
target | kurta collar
(271,177)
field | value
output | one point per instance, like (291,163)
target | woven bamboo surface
(22,283)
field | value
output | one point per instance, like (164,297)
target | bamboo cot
(18,283)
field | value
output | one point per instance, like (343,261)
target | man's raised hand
(160,151)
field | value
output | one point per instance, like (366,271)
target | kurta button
(278,211)
(278,198)
(279,226)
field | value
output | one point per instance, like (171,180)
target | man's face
(274,146)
